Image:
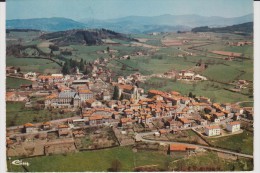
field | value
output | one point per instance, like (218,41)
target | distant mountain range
(130,24)
(243,29)
(45,24)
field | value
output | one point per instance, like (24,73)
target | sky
(110,9)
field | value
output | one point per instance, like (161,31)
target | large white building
(212,130)
(233,126)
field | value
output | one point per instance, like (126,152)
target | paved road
(139,137)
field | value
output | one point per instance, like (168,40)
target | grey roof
(67,94)
(77,97)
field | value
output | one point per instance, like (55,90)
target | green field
(241,142)
(209,89)
(221,73)
(16,114)
(25,38)
(15,83)
(91,161)
(33,65)
(210,160)
(99,160)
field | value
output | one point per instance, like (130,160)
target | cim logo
(20,163)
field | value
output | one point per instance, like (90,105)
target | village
(115,113)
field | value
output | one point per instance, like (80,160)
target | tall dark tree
(81,65)
(66,68)
(116,93)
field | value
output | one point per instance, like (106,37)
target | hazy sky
(107,9)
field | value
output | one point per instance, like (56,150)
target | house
(63,130)
(188,75)
(106,95)
(128,113)
(249,112)
(175,93)
(65,99)
(181,149)
(226,106)
(236,109)
(126,121)
(116,115)
(11,70)
(46,126)
(85,94)
(199,77)
(49,79)
(80,82)
(218,115)
(128,92)
(30,128)
(204,100)
(202,122)
(98,119)
(30,76)
(92,103)
(185,100)
(233,126)
(236,117)
(175,124)
(186,123)
(212,131)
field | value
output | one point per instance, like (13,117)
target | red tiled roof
(234,123)
(213,127)
(96,117)
(84,91)
(178,147)
(125,87)
(28,125)
(184,120)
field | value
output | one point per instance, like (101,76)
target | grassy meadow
(129,160)
(17,114)
(14,83)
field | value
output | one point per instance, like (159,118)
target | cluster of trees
(192,95)
(71,64)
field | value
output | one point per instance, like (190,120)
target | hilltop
(88,37)
(45,24)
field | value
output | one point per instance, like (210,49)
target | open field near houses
(129,160)
(209,89)
(33,65)
(14,83)
(240,142)
(16,114)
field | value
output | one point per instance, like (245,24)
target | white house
(212,130)
(30,75)
(233,126)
